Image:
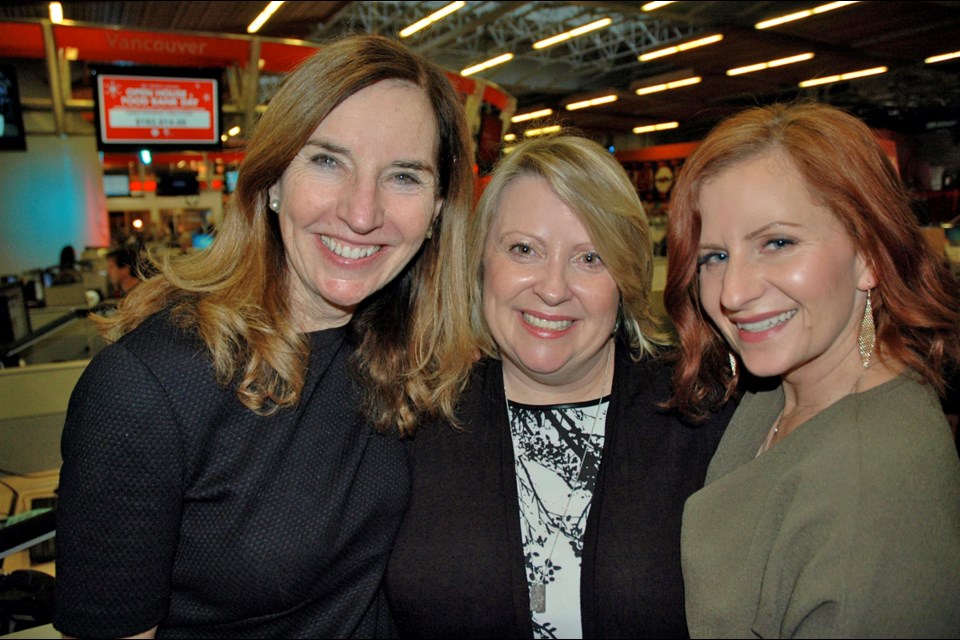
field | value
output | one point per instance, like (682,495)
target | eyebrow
(753,235)
(414,165)
(768,227)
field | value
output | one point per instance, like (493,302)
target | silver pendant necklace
(538,588)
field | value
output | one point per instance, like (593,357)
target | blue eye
(714,257)
(324,160)
(780,243)
(407,179)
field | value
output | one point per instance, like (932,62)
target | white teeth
(769,323)
(552,325)
(353,253)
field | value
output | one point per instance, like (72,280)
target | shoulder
(898,430)
(155,355)
(646,383)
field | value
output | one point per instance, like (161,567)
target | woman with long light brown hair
(220,477)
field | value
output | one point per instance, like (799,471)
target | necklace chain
(538,596)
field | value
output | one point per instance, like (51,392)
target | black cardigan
(457,568)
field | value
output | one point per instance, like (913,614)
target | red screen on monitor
(139,107)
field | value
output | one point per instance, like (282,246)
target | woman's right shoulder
(157,343)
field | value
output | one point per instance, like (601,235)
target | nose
(552,285)
(363,210)
(741,284)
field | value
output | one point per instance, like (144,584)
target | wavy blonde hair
(234,294)
(588,180)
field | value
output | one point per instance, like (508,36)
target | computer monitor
(14,316)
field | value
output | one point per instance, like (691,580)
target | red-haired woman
(832,506)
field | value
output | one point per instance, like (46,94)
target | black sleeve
(119,505)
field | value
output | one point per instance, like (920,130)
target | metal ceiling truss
(484,29)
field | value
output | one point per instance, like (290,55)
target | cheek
(709,289)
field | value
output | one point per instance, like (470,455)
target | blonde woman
(548,504)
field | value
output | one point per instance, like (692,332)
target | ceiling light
(593,102)
(233,131)
(653,6)
(56,13)
(843,76)
(492,62)
(769,65)
(656,127)
(510,137)
(573,33)
(680,47)
(800,15)
(436,16)
(676,84)
(942,57)
(529,133)
(532,115)
(263,17)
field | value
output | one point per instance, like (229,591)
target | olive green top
(849,527)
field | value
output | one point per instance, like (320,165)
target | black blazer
(457,568)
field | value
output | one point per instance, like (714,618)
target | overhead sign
(157,110)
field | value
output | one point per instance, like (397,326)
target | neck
(128,283)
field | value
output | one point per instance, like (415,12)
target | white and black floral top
(557,451)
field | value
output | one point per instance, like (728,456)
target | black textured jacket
(457,568)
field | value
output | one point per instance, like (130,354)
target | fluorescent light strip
(573,33)
(653,6)
(769,65)
(800,15)
(942,57)
(492,62)
(680,47)
(264,16)
(843,76)
(676,84)
(663,126)
(436,16)
(533,115)
(593,102)
(529,133)
(56,13)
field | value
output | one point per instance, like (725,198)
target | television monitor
(202,240)
(12,135)
(116,185)
(157,108)
(230,180)
(14,316)
(177,183)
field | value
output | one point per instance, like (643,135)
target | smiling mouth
(353,253)
(769,323)
(551,325)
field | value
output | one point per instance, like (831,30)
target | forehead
(765,190)
(387,112)
(530,202)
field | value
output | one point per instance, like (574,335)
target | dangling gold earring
(868,334)
(733,364)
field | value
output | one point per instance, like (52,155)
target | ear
(436,209)
(866,278)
